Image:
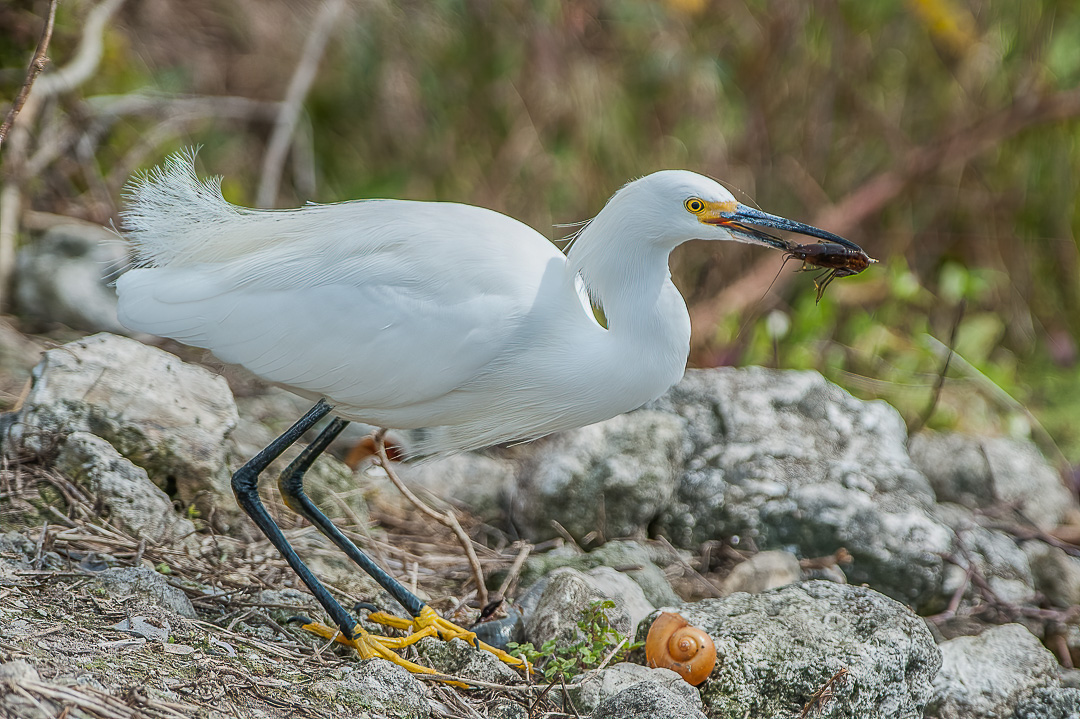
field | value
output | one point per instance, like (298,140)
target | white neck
(626,273)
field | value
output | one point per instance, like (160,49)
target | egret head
(678,205)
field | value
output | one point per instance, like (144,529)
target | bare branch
(91,48)
(289,115)
(37,64)
(79,70)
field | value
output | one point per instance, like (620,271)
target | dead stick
(447,519)
(37,64)
(515,568)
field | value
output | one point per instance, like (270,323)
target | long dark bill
(738,223)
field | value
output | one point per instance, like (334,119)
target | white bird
(431,315)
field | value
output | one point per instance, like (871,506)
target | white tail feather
(173,217)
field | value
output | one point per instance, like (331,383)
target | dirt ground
(88,640)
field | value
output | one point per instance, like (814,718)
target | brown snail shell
(673,644)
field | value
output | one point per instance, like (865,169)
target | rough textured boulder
(151,589)
(130,500)
(777,648)
(647,700)
(64,276)
(567,593)
(1056,573)
(634,559)
(612,477)
(590,690)
(166,416)
(379,687)
(998,559)
(1049,703)
(793,460)
(980,472)
(987,676)
(463,660)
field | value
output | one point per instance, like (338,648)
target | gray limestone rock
(613,477)
(1004,565)
(566,595)
(64,276)
(1049,703)
(987,676)
(380,687)
(624,591)
(506,709)
(588,691)
(631,558)
(1056,573)
(775,649)
(463,660)
(132,502)
(794,461)
(166,416)
(647,700)
(980,472)
(151,589)
(17,549)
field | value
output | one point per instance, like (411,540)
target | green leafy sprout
(567,661)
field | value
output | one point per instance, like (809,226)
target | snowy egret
(432,315)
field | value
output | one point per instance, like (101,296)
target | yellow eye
(695,205)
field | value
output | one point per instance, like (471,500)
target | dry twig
(935,395)
(515,569)
(37,64)
(447,519)
(711,589)
(74,73)
(823,695)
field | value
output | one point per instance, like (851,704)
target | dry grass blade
(100,704)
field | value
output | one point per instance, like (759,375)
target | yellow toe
(371,646)
(427,624)
(447,630)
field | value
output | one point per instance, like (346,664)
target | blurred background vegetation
(940,135)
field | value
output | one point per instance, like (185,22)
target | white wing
(393,303)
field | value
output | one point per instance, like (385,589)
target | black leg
(245,484)
(291,484)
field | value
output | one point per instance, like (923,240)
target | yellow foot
(429,624)
(370,646)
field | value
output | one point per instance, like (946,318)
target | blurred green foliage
(542,108)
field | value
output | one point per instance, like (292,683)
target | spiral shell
(673,644)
